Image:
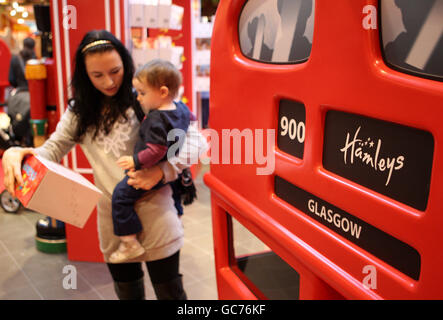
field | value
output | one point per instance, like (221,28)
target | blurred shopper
(19,101)
(18,63)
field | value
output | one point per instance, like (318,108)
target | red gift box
(56,191)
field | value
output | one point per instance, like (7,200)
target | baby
(157,84)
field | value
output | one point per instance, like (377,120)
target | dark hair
(158,73)
(29,43)
(88,102)
(28,50)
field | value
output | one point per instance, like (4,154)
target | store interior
(26,271)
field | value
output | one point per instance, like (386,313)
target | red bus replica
(336,106)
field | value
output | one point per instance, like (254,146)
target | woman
(100,118)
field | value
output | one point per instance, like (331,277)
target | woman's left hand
(145,178)
(12,164)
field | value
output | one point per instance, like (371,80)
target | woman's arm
(57,146)
(62,140)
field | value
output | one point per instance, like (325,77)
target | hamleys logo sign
(368,152)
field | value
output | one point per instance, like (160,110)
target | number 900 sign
(291,128)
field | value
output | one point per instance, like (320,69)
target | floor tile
(57,289)
(107,291)
(21,293)
(200,291)
(26,273)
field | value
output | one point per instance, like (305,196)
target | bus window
(277,31)
(271,277)
(412,36)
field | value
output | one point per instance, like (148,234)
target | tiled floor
(26,273)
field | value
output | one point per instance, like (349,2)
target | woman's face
(105,70)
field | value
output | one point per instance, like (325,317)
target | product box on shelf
(137,13)
(151,15)
(160,14)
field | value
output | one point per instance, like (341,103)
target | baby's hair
(158,73)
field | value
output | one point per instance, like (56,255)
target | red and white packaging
(54,190)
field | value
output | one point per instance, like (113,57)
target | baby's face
(148,96)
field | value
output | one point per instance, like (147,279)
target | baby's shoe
(127,250)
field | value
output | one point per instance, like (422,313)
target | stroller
(15,130)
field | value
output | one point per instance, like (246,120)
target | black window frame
(393,66)
(271,62)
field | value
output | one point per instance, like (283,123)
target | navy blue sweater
(152,144)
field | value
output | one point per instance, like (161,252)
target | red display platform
(5,59)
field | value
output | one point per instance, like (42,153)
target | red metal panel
(5,59)
(83,243)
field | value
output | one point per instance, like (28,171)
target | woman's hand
(12,167)
(145,178)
